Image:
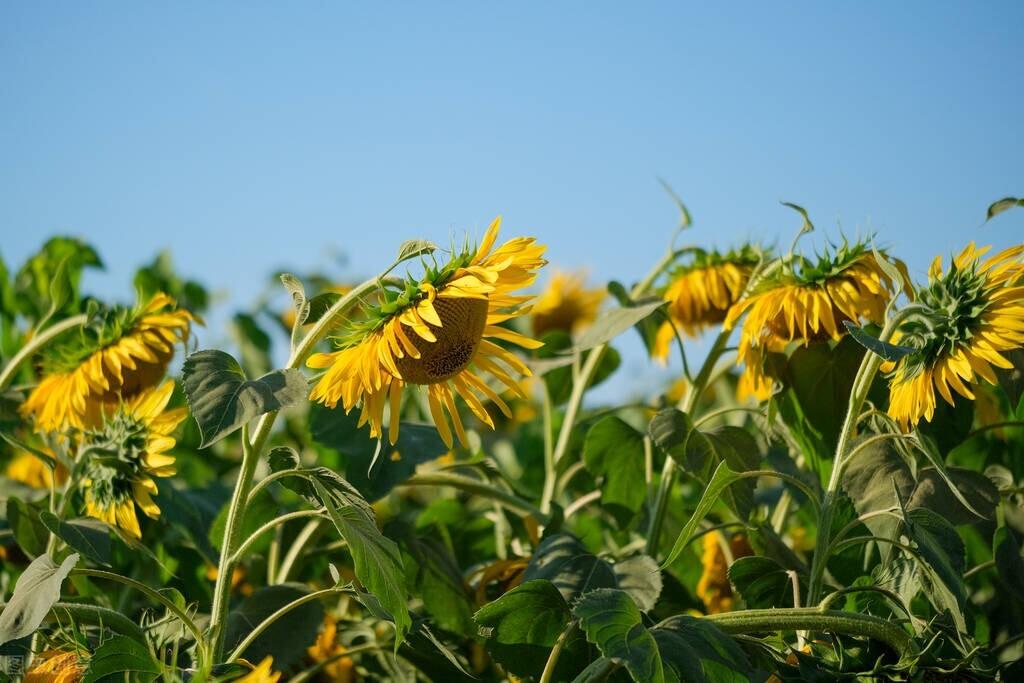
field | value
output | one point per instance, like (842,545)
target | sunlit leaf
(37,590)
(613,623)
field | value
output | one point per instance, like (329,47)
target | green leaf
(884,350)
(614,322)
(646,328)
(556,368)
(436,578)
(933,492)
(378,561)
(720,481)
(60,289)
(640,577)
(36,591)
(871,479)
(612,622)
(819,377)
(944,558)
(29,531)
(320,304)
(614,452)
(417,444)
(762,582)
(574,570)
(1004,204)
(118,657)
(413,248)
(222,399)
(694,649)
(299,301)
(88,536)
(287,638)
(807,226)
(521,626)
(1009,562)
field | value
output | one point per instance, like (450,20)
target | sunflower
(261,673)
(126,453)
(116,356)
(701,293)
(972,315)
(808,301)
(337,667)
(714,588)
(30,470)
(56,666)
(438,332)
(565,304)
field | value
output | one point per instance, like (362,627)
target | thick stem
(583,380)
(251,452)
(37,343)
(861,386)
(816,619)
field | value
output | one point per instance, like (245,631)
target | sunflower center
(462,327)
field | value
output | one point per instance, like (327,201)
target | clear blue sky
(250,136)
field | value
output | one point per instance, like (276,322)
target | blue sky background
(252,137)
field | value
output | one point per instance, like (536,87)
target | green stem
(861,386)
(97,616)
(266,623)
(556,652)
(583,380)
(815,619)
(480,488)
(157,597)
(300,542)
(277,521)
(36,343)
(251,452)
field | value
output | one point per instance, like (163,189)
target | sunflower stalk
(251,452)
(858,395)
(583,380)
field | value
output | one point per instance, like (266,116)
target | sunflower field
(409,478)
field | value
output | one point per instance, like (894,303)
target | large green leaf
(944,558)
(37,590)
(722,478)
(614,322)
(287,638)
(119,659)
(614,452)
(820,377)
(574,570)
(612,622)
(222,399)
(640,577)
(695,650)
(29,531)
(88,536)
(1009,562)
(521,626)
(378,561)
(435,578)
(762,582)
(374,473)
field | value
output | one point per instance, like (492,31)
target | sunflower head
(117,354)
(700,293)
(125,454)
(969,316)
(30,470)
(809,300)
(327,649)
(566,304)
(714,587)
(438,330)
(57,666)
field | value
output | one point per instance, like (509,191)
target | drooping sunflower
(807,301)
(437,331)
(566,304)
(57,666)
(126,453)
(31,471)
(973,314)
(115,356)
(701,293)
